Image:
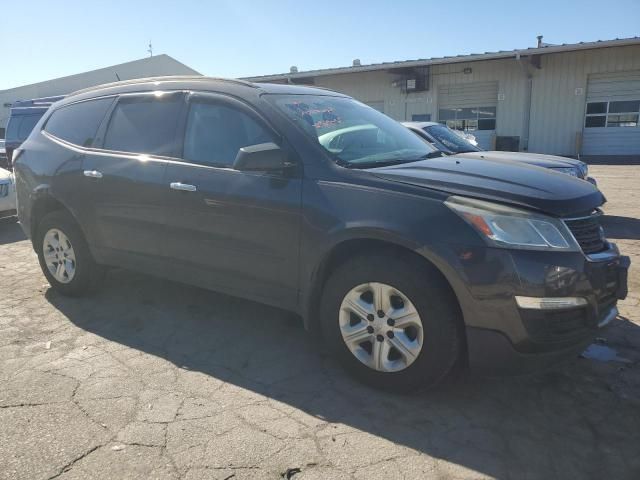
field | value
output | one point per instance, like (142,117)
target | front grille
(4,189)
(588,232)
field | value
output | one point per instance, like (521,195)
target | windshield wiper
(393,161)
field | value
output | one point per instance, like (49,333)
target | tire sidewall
(85,272)
(433,301)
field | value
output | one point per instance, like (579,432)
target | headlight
(573,171)
(508,227)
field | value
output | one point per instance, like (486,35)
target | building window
(474,118)
(421,117)
(623,113)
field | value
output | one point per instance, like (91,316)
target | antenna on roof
(150,49)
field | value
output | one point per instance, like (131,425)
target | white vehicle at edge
(7,194)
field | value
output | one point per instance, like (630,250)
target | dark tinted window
(12,128)
(596,107)
(624,106)
(145,124)
(216,132)
(78,123)
(27,124)
(595,121)
(422,117)
(486,124)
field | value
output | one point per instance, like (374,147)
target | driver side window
(215,133)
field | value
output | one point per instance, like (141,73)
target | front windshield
(450,139)
(356,135)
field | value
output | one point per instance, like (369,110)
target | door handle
(92,174)
(185,187)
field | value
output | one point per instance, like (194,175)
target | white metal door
(611,125)
(471,107)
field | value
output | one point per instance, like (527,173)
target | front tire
(392,324)
(65,257)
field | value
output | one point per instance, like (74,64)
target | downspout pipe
(526,115)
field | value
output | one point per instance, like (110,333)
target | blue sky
(235,38)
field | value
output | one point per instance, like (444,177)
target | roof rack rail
(138,81)
(37,102)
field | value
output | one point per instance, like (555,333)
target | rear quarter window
(78,123)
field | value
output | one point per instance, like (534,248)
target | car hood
(503,181)
(537,159)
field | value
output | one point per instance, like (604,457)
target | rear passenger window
(26,127)
(145,124)
(78,123)
(12,128)
(216,132)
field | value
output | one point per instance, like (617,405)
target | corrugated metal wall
(612,87)
(378,86)
(559,89)
(557,95)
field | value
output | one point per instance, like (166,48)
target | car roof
(195,83)
(33,106)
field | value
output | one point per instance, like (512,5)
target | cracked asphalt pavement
(153,379)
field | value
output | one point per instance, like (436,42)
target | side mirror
(262,157)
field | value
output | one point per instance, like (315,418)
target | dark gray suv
(408,263)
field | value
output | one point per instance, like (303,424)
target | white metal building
(146,67)
(571,99)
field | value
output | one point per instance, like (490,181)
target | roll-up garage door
(611,125)
(470,107)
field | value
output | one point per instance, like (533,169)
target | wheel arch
(43,204)
(345,249)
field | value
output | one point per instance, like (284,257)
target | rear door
(231,230)
(124,179)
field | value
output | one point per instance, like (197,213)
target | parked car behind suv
(24,116)
(452,142)
(7,194)
(4,163)
(407,266)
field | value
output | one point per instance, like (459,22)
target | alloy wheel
(381,327)
(59,256)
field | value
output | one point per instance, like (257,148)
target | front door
(230,230)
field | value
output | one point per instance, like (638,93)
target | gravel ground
(152,379)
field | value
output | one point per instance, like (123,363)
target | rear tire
(391,358)
(65,257)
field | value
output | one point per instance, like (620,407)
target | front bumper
(503,337)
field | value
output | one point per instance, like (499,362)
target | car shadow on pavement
(10,231)
(580,418)
(617,227)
